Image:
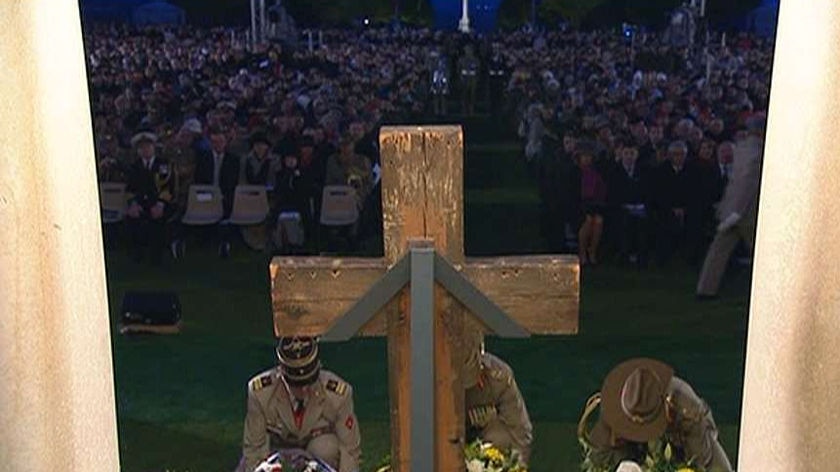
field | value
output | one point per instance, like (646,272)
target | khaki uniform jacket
(357,173)
(183,161)
(691,430)
(496,408)
(741,193)
(270,422)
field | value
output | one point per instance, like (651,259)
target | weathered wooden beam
(308,294)
(540,292)
(422,197)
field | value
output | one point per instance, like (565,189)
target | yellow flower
(494,454)
(686,469)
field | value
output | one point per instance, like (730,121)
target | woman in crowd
(593,196)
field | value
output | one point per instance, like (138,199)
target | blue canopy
(762,20)
(132,11)
(157,13)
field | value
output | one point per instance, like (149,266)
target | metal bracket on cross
(418,265)
(421,267)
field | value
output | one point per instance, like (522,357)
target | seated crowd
(632,143)
(635,143)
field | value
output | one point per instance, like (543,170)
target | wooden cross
(422,199)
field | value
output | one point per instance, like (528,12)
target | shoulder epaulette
(339,388)
(259,383)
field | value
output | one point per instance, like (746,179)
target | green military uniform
(495,409)
(350,169)
(646,407)
(183,160)
(327,427)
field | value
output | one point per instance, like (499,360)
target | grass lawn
(181,399)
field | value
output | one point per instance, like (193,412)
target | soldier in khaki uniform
(494,406)
(641,400)
(738,209)
(298,405)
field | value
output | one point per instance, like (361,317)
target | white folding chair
(112,201)
(250,205)
(339,215)
(339,206)
(204,206)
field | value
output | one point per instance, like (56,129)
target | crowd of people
(631,141)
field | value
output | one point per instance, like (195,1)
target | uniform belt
(301,441)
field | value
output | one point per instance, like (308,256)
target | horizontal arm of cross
(310,294)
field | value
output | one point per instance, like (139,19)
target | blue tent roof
(762,20)
(157,13)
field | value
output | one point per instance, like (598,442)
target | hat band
(296,378)
(638,419)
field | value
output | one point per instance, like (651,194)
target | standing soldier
(642,401)
(440,84)
(496,74)
(468,67)
(495,409)
(738,209)
(298,405)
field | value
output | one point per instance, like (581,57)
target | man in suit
(700,216)
(671,197)
(221,168)
(630,194)
(150,187)
(299,405)
(738,210)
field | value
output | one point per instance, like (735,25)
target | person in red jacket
(593,197)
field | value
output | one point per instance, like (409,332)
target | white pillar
(790,416)
(57,408)
(263,26)
(464,24)
(254,9)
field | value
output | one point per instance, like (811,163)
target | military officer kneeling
(495,409)
(298,405)
(641,400)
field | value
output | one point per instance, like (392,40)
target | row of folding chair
(250,205)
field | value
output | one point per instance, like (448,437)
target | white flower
(475,465)
(628,466)
(311,466)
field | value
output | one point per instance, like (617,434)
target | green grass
(181,398)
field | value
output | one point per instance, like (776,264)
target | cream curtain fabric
(57,409)
(791,405)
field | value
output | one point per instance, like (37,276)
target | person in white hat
(150,189)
